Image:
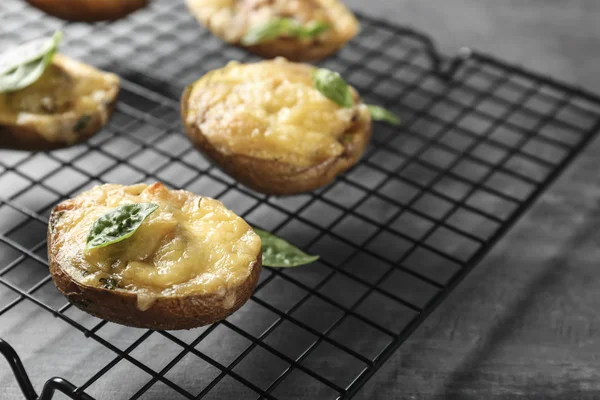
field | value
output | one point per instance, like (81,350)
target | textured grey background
(558,37)
(525,324)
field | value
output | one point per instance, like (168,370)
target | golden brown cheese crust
(160,283)
(267,126)
(88,10)
(70,102)
(232,19)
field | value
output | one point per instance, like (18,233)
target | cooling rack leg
(18,369)
(50,386)
(64,386)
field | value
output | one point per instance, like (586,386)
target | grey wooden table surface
(525,324)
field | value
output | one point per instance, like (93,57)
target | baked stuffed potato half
(269,127)
(299,30)
(88,10)
(70,102)
(191,261)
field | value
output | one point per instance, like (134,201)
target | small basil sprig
(118,224)
(381,114)
(334,87)
(278,27)
(23,65)
(276,252)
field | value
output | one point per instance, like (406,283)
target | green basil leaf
(263,33)
(277,27)
(24,75)
(27,52)
(333,86)
(381,114)
(19,70)
(118,224)
(276,252)
(312,29)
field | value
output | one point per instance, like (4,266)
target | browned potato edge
(293,50)
(88,10)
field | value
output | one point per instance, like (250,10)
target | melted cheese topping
(269,110)
(54,104)
(190,245)
(232,19)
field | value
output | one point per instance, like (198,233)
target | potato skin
(166,313)
(292,49)
(88,10)
(275,177)
(27,138)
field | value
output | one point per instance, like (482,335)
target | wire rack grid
(480,141)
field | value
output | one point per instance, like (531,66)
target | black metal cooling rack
(480,141)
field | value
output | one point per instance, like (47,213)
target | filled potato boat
(299,30)
(70,102)
(272,129)
(150,257)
